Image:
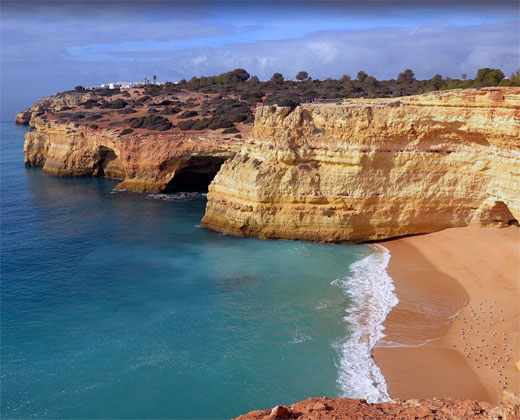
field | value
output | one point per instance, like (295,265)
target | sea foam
(371,291)
(181,196)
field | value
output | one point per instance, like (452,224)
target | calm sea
(118,305)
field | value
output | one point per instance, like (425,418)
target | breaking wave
(371,292)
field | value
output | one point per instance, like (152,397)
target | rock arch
(107,164)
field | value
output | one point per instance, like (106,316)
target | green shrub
(153,90)
(288,102)
(170,111)
(107,92)
(127,111)
(118,104)
(200,124)
(126,131)
(220,122)
(104,104)
(231,130)
(142,99)
(150,122)
(94,117)
(91,103)
(186,125)
(188,114)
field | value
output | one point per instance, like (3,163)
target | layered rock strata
(370,169)
(144,163)
(67,139)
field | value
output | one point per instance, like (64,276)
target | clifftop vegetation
(304,89)
(227,101)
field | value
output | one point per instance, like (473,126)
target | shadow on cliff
(196,175)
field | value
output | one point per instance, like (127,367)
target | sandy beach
(455,330)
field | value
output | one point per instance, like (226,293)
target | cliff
(144,163)
(370,169)
(79,134)
(436,409)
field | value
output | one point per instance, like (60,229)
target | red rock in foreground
(436,409)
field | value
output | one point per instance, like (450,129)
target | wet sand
(455,330)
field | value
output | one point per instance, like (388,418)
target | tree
(515,78)
(435,83)
(488,77)
(406,76)
(346,82)
(277,78)
(79,88)
(241,75)
(154,77)
(361,76)
(254,81)
(329,83)
(194,82)
(370,83)
(302,75)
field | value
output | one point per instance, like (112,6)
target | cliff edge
(370,169)
(435,409)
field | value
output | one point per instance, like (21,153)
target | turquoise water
(118,305)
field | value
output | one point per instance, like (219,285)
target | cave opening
(196,175)
(104,156)
(501,213)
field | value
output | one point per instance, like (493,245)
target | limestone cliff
(80,134)
(373,169)
(145,163)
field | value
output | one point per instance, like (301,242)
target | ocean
(118,305)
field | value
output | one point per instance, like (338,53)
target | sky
(48,47)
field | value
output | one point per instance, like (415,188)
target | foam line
(371,291)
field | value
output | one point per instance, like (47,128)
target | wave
(394,344)
(371,292)
(181,196)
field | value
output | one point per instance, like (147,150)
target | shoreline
(447,338)
(371,290)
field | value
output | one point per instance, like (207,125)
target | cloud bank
(49,46)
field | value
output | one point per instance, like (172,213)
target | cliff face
(79,134)
(373,169)
(145,163)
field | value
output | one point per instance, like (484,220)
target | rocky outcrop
(23,117)
(55,103)
(370,169)
(144,163)
(436,409)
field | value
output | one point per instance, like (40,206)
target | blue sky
(54,46)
